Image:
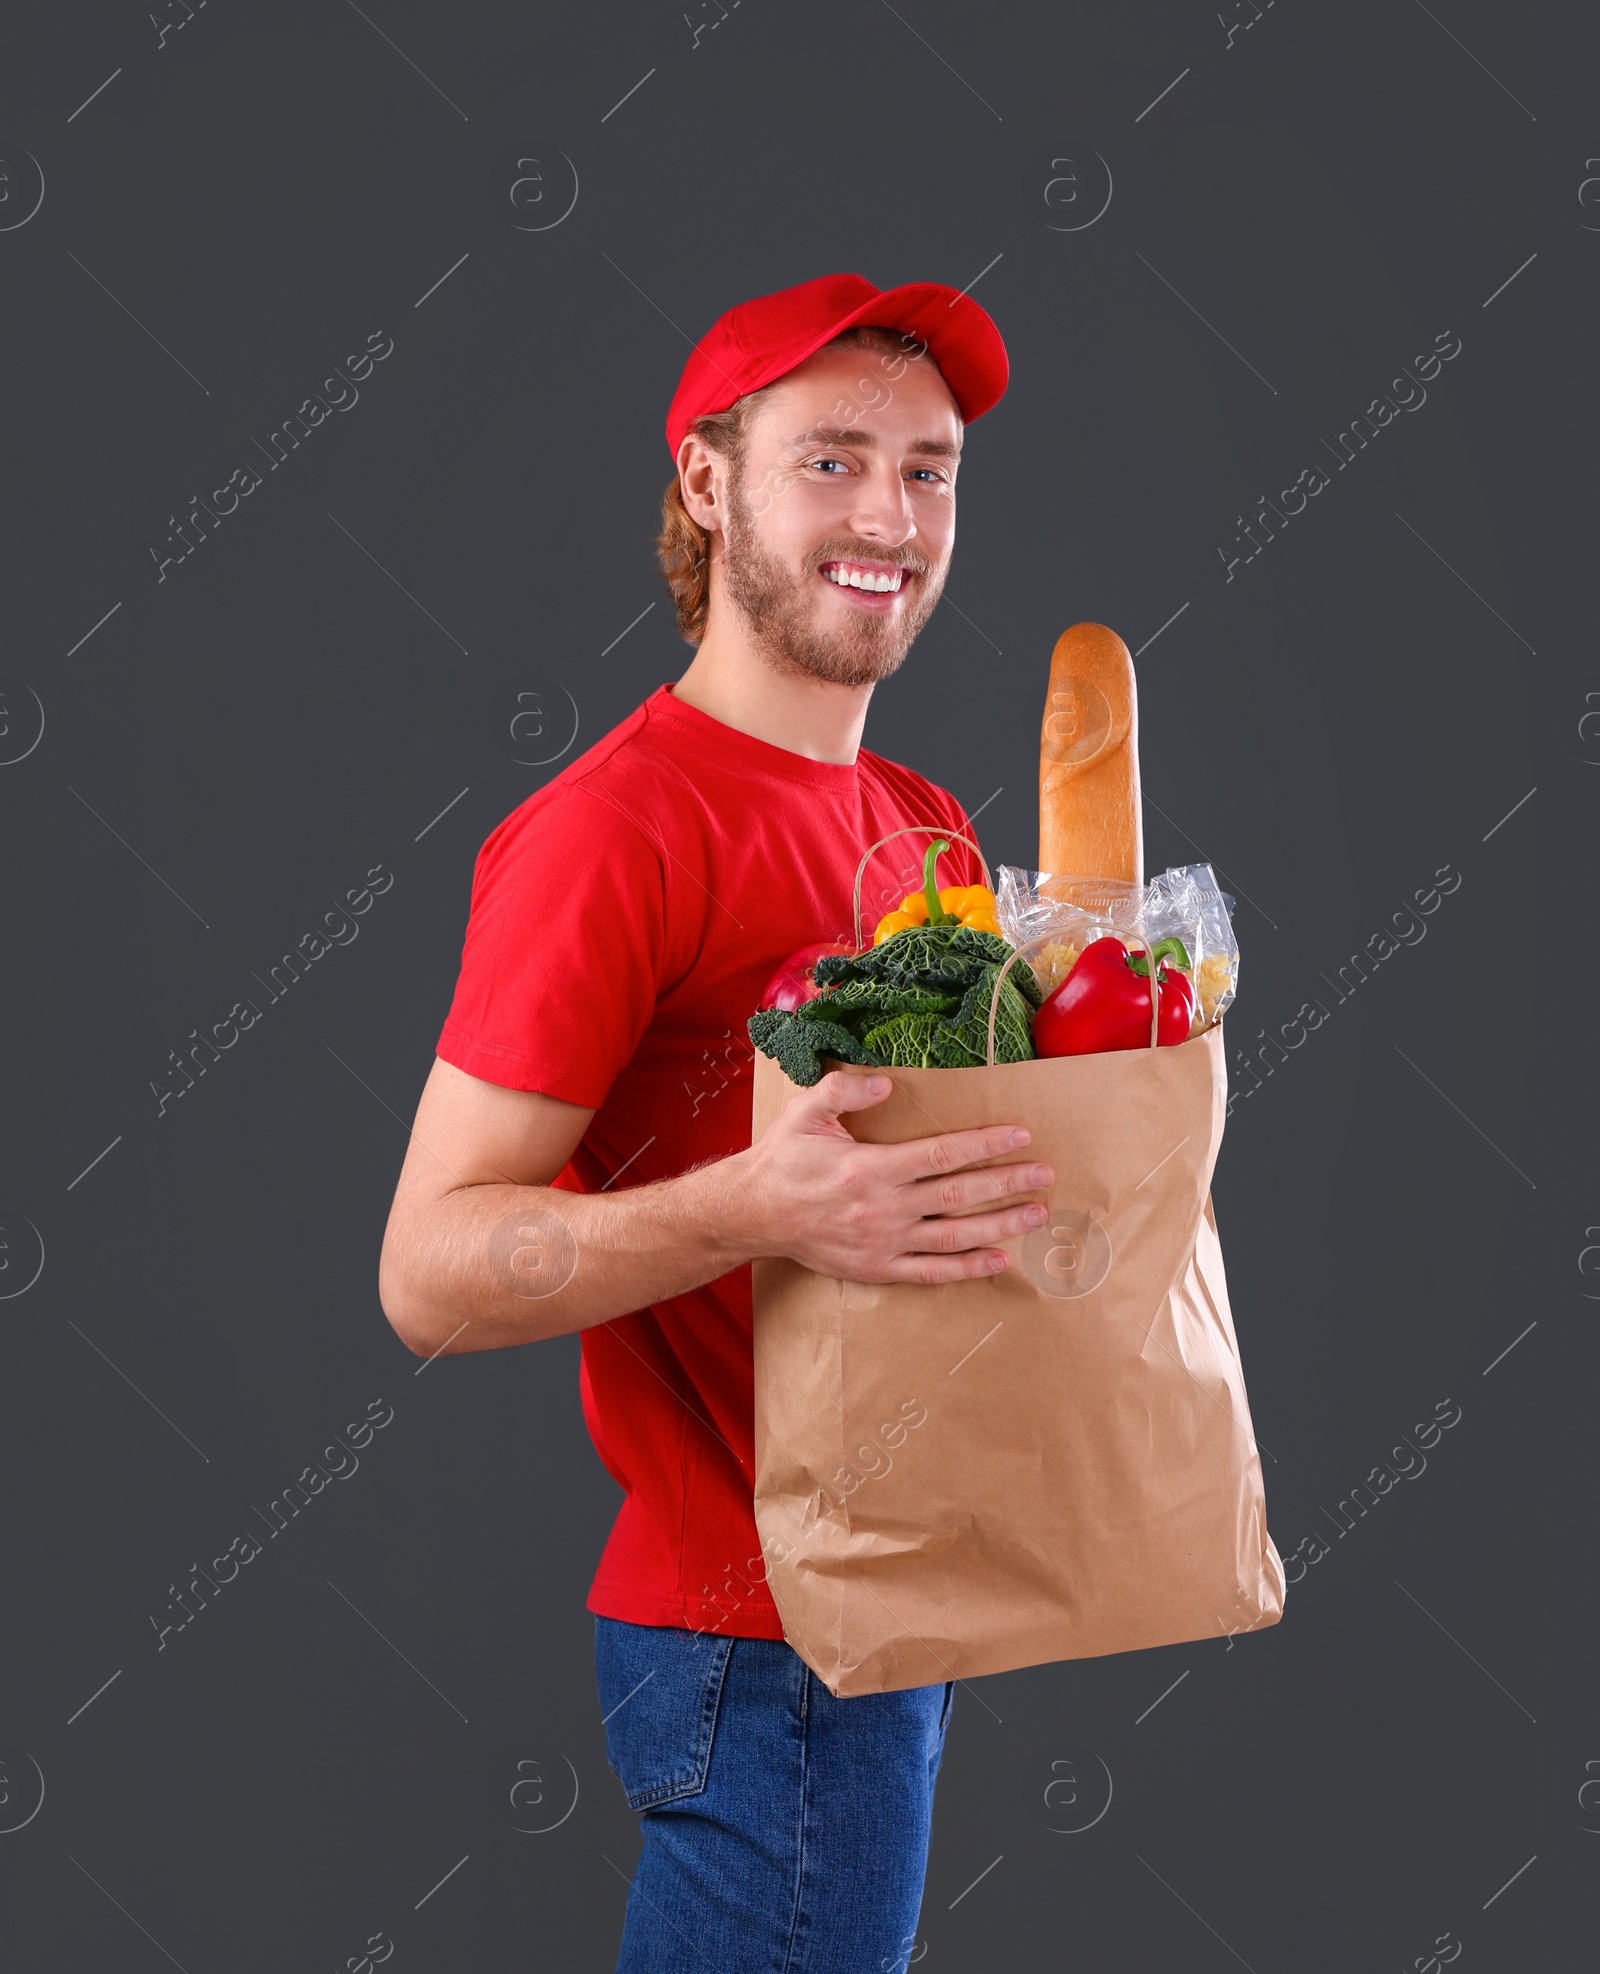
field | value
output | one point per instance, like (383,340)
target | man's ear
(702,480)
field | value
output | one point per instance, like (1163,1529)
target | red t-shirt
(625,920)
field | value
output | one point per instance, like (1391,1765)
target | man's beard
(781,609)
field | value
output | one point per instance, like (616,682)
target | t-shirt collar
(759,756)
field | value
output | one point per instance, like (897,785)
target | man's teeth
(860,579)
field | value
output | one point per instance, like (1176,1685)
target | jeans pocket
(949,1697)
(660,1688)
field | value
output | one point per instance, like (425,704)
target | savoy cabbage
(918,1001)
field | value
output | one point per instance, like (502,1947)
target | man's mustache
(849,549)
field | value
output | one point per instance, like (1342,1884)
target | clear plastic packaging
(1051,919)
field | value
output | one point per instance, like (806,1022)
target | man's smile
(872,585)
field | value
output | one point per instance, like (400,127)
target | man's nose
(882,510)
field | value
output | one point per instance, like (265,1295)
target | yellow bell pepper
(960,904)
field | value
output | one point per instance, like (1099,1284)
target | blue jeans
(785,1831)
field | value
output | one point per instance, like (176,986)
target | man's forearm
(491,1265)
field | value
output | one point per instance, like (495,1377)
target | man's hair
(683,547)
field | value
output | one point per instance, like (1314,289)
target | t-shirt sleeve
(563,953)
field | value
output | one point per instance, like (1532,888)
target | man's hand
(481,1159)
(884,1213)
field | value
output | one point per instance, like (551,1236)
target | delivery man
(581,1159)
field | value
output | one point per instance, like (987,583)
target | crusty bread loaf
(1089,811)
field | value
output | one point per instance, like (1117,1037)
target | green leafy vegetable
(929,956)
(798,1047)
(876,997)
(904,1043)
(965,1036)
(918,1001)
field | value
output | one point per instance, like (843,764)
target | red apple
(793,982)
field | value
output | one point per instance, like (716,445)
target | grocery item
(968,904)
(1089,811)
(795,980)
(921,1000)
(1104,1003)
(1183,905)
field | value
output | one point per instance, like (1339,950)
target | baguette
(1089,812)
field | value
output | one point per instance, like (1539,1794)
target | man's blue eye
(830,462)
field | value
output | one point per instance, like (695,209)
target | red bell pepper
(1104,1002)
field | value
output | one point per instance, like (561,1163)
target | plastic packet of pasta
(1051,919)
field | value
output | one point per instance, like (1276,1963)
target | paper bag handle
(912,829)
(1136,941)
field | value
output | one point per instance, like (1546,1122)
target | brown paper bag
(1051,1463)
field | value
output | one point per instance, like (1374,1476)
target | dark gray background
(232,748)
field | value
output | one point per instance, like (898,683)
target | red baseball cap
(759,341)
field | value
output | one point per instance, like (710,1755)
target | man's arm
(481,1251)
(455,1263)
